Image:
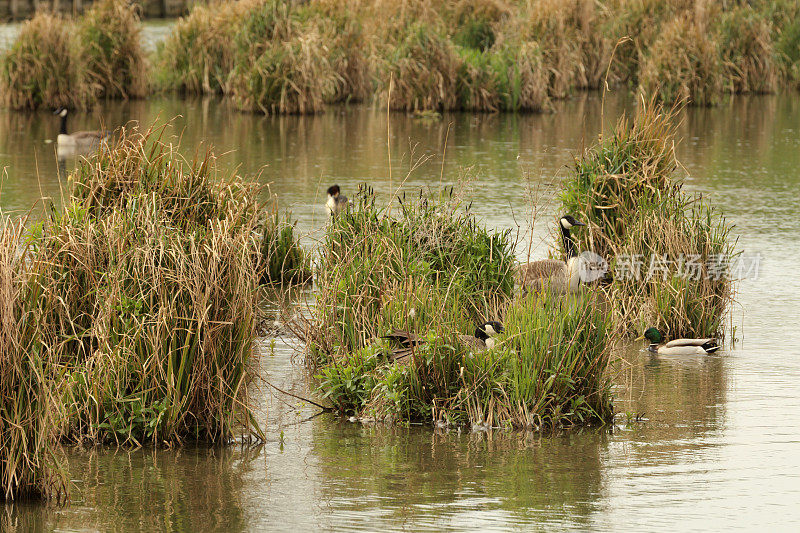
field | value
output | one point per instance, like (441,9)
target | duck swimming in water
(679,346)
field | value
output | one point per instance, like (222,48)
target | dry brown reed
(28,468)
(683,64)
(198,56)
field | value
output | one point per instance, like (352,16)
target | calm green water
(720,443)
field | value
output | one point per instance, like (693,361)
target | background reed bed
(482,55)
(111,49)
(640,218)
(56,61)
(42,69)
(277,57)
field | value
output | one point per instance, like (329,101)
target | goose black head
(568,222)
(653,335)
(61,112)
(333,191)
(489,329)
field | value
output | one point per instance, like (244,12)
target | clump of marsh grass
(42,68)
(27,414)
(147,284)
(55,62)
(476,23)
(111,49)
(783,17)
(349,49)
(661,243)
(510,77)
(279,67)
(550,368)
(433,271)
(282,260)
(635,25)
(368,253)
(632,169)
(562,29)
(684,63)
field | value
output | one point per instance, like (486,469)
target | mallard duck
(679,346)
(558,276)
(78,139)
(337,202)
(480,342)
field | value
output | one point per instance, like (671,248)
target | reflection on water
(719,435)
(431,479)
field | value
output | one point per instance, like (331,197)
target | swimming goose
(79,138)
(559,276)
(480,342)
(337,202)
(679,346)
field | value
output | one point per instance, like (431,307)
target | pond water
(719,445)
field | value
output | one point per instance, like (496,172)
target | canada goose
(79,138)
(560,276)
(679,346)
(337,202)
(480,342)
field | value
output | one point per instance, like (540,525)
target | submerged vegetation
(669,251)
(434,272)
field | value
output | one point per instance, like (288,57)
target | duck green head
(653,335)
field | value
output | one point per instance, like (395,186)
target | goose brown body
(553,274)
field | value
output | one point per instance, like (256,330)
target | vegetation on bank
(56,61)
(276,57)
(433,271)
(478,55)
(668,250)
